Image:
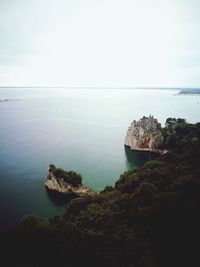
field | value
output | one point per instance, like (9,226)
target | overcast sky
(146,43)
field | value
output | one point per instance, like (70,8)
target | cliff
(144,135)
(65,182)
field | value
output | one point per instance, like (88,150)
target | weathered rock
(59,185)
(144,135)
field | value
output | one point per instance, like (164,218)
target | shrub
(70,177)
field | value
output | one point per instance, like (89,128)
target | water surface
(76,129)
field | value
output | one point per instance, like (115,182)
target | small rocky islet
(65,182)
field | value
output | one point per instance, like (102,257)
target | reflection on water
(137,158)
(59,199)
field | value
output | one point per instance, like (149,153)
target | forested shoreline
(150,217)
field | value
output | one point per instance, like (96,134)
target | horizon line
(103,87)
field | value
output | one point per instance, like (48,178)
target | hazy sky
(100,43)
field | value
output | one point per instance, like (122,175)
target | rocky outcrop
(144,135)
(60,185)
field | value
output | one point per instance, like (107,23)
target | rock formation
(60,185)
(144,135)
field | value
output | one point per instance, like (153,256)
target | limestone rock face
(144,135)
(57,184)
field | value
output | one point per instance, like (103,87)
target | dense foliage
(150,218)
(70,177)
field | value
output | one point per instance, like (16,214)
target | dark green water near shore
(77,129)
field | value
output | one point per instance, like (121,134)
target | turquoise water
(76,129)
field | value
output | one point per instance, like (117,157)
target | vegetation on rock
(70,177)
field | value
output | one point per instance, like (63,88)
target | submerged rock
(64,182)
(144,135)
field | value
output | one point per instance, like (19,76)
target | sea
(80,129)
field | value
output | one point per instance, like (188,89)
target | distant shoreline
(9,99)
(189,91)
(189,94)
(98,87)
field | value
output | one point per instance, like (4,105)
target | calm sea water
(76,129)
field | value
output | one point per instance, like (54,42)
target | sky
(100,43)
